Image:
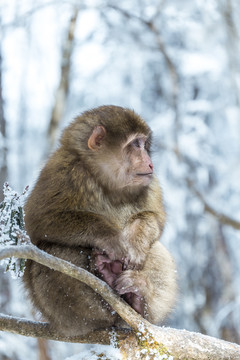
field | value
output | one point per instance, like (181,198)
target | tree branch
(181,344)
(39,329)
(160,44)
(150,24)
(224,219)
(119,305)
(186,345)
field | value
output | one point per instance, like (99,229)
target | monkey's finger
(126,263)
(97,252)
(116,267)
(102,259)
(132,266)
(109,278)
(111,255)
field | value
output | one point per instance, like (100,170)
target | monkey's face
(124,166)
(137,165)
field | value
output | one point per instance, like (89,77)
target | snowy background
(177,64)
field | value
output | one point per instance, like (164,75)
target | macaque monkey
(98,204)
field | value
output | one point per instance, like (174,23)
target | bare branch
(180,343)
(38,329)
(152,27)
(169,63)
(224,219)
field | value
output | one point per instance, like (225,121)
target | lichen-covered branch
(194,346)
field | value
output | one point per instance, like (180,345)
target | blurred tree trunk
(43,349)
(3,137)
(228,330)
(4,280)
(63,87)
(232,44)
(5,294)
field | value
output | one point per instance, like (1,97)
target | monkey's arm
(144,228)
(140,233)
(78,228)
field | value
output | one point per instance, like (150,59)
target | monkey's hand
(130,254)
(132,285)
(107,269)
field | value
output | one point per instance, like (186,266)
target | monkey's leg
(69,305)
(154,287)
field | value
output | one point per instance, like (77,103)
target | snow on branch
(12,227)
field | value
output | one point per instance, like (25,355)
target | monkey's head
(113,143)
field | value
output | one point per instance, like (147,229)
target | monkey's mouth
(145,174)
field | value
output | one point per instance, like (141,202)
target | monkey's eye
(147,145)
(136,143)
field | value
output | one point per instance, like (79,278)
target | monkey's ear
(96,138)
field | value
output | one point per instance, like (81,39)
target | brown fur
(90,203)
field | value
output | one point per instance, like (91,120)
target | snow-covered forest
(177,64)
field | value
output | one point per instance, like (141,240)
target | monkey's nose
(151,166)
